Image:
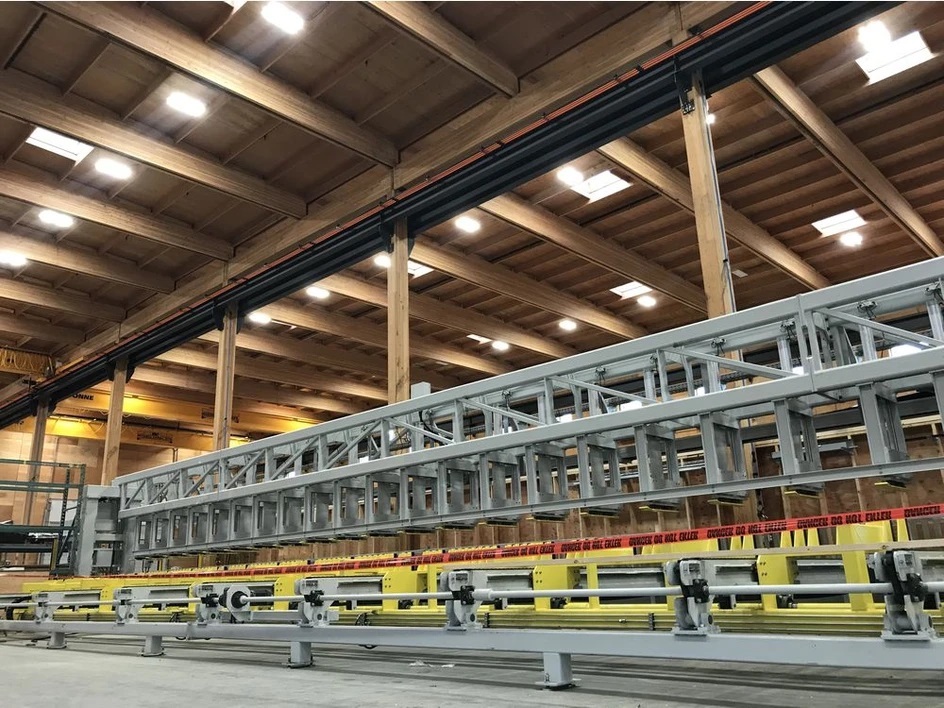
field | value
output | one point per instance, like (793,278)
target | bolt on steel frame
(495,449)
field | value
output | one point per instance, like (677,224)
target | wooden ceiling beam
(360,330)
(41,296)
(575,71)
(676,187)
(245,388)
(153,33)
(251,368)
(592,247)
(78,260)
(328,356)
(14,324)
(523,288)
(43,193)
(819,129)
(36,102)
(444,314)
(431,29)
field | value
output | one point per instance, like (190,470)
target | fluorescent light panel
(59,144)
(887,58)
(631,289)
(600,186)
(283,17)
(846,221)
(186,104)
(414,269)
(479,338)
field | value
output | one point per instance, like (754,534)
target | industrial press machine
(593,432)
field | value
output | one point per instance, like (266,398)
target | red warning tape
(560,548)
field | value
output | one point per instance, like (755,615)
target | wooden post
(225,370)
(113,426)
(709,223)
(398,316)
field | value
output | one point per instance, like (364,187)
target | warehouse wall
(74,451)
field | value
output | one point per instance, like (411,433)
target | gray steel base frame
(555,646)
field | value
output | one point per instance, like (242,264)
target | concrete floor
(97,671)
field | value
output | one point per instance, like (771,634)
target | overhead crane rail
(496,450)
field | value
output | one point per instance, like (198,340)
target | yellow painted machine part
(861,615)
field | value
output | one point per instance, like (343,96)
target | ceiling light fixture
(12,259)
(499,345)
(646,301)
(600,186)
(479,338)
(283,17)
(711,118)
(887,58)
(468,224)
(851,239)
(56,218)
(113,168)
(186,104)
(874,35)
(414,269)
(567,325)
(317,293)
(631,289)
(59,144)
(570,176)
(259,317)
(846,221)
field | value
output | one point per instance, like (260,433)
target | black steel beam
(760,40)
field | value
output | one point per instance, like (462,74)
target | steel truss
(494,450)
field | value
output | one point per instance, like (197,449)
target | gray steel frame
(419,464)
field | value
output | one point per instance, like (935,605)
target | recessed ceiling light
(711,118)
(113,168)
(259,317)
(500,346)
(56,218)
(631,289)
(12,259)
(414,269)
(567,325)
(186,104)
(59,144)
(646,301)
(600,185)
(851,239)
(874,35)
(468,224)
(283,17)
(479,338)
(317,293)
(570,176)
(846,221)
(888,58)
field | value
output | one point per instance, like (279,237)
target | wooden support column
(709,222)
(33,472)
(113,426)
(398,315)
(225,370)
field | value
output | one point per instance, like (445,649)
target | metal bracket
(693,608)
(462,609)
(905,618)
(314,610)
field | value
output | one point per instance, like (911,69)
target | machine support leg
(57,640)
(557,671)
(153,646)
(299,655)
